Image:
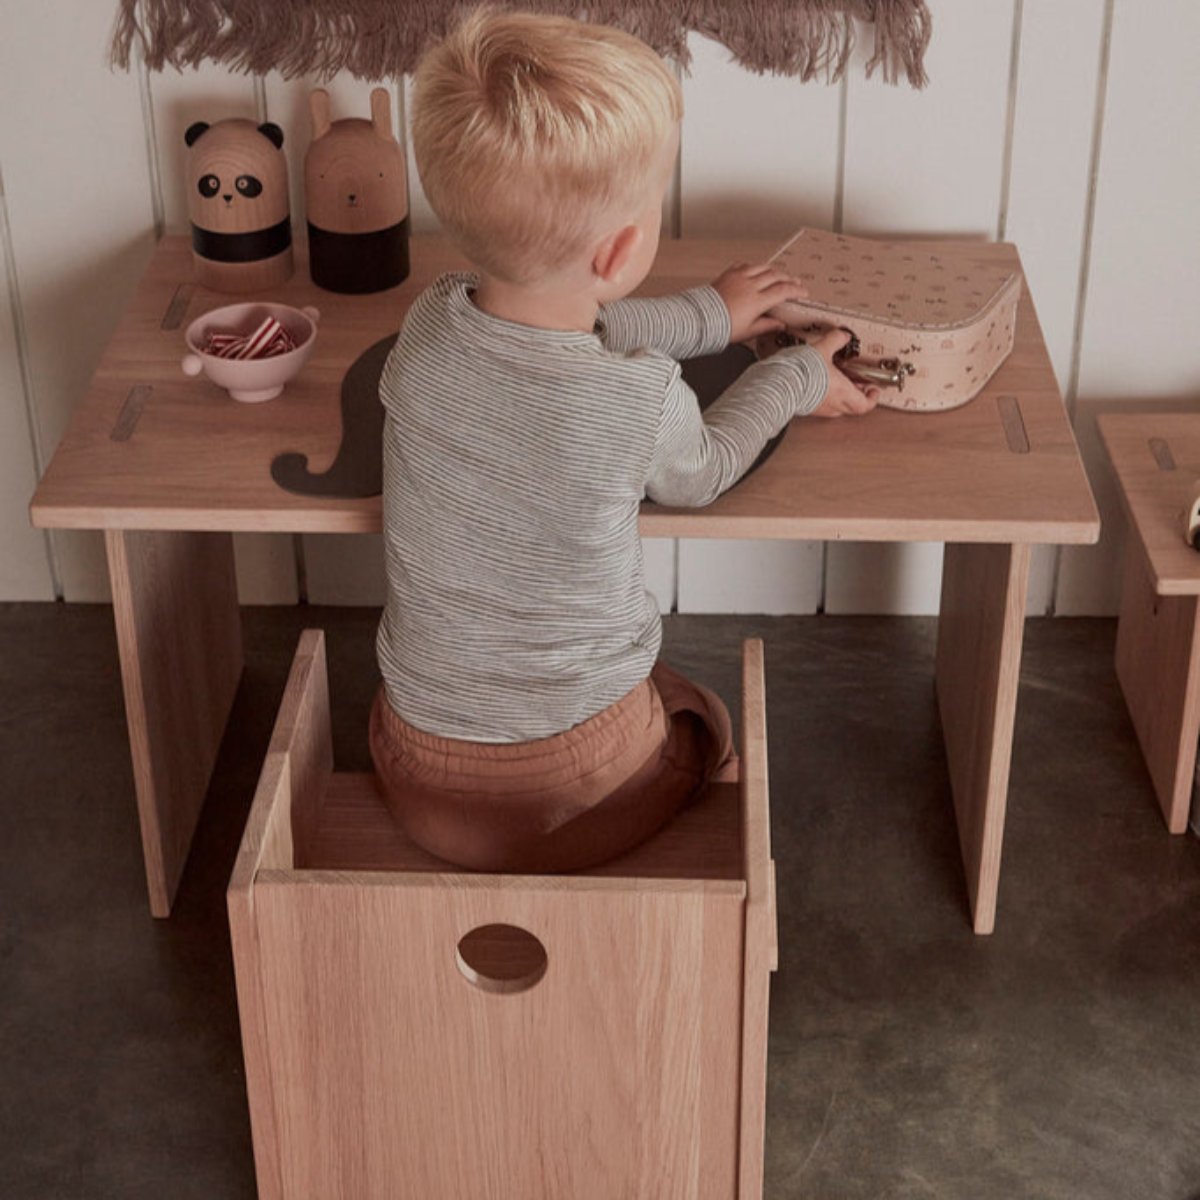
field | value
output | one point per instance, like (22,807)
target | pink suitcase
(930,326)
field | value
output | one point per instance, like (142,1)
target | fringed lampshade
(377,39)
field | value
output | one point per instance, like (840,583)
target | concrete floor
(1058,1058)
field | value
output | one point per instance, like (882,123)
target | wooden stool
(411,1030)
(1156,457)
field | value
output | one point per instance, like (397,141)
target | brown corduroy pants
(559,803)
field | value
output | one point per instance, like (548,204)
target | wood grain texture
(1158,664)
(260,840)
(1156,461)
(761,938)
(297,763)
(890,476)
(288,104)
(355,173)
(237,183)
(302,734)
(1154,499)
(355,832)
(377,1070)
(980,631)
(893,476)
(179,636)
(603,1080)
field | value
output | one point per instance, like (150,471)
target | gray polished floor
(1058,1058)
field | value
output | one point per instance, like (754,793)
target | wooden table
(1156,457)
(169,467)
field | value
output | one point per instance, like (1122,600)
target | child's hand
(843,397)
(750,292)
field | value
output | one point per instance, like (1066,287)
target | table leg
(980,630)
(180,640)
(1158,665)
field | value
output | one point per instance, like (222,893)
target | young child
(524,722)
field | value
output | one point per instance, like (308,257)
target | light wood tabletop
(170,467)
(1156,457)
(150,448)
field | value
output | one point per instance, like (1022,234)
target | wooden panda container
(238,205)
(415,1031)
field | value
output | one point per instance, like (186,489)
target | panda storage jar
(356,192)
(238,205)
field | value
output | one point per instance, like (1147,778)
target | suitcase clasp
(888,372)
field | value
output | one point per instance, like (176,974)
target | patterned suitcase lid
(897,283)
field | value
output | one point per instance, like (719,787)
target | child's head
(533,133)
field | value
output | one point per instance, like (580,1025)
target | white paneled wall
(24,562)
(1071,127)
(759,155)
(73,155)
(1045,203)
(926,162)
(1142,305)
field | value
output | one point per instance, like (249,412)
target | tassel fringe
(378,39)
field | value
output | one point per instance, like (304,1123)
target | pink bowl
(251,379)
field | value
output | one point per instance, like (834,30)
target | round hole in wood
(501,958)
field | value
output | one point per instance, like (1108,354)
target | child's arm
(702,320)
(698,456)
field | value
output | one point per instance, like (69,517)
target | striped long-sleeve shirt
(514,461)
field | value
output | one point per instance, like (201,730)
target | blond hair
(529,129)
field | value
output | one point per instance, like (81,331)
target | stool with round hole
(414,1031)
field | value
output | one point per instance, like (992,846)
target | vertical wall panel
(658,555)
(928,162)
(1054,108)
(24,566)
(759,157)
(338,570)
(775,577)
(423,220)
(1140,310)
(931,161)
(1054,113)
(75,175)
(265,562)
(759,152)
(883,577)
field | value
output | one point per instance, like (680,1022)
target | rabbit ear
(318,106)
(381,112)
